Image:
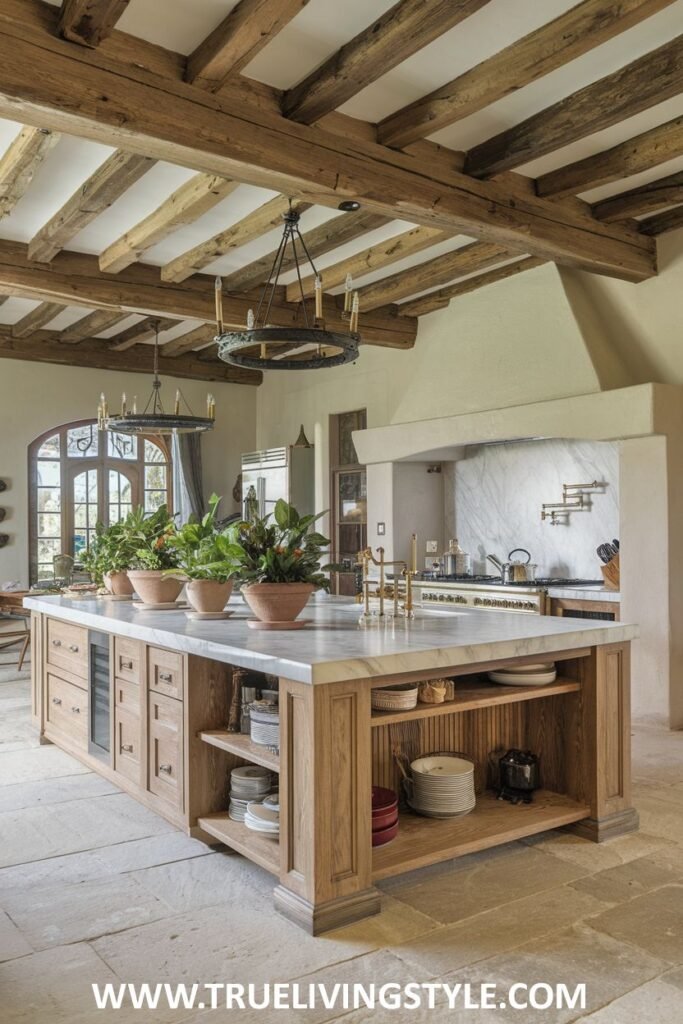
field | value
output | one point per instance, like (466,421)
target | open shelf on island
(477,694)
(262,849)
(241,745)
(423,841)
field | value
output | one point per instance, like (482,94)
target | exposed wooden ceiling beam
(259,222)
(651,79)
(193,199)
(554,44)
(661,223)
(37,318)
(143,331)
(89,21)
(439,271)
(96,194)
(253,144)
(408,243)
(442,298)
(197,338)
(242,34)
(74,279)
(654,147)
(92,324)
(666,191)
(20,162)
(404,29)
(326,237)
(46,347)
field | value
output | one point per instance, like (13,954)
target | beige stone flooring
(93,887)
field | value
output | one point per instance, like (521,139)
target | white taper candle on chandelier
(348,289)
(123,404)
(318,297)
(176,407)
(103,402)
(219,304)
(355,309)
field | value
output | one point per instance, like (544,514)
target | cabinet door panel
(128,744)
(165,749)
(165,671)
(67,709)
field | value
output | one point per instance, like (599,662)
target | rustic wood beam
(325,238)
(255,224)
(408,243)
(554,44)
(143,331)
(651,148)
(439,271)
(249,143)
(666,191)
(75,279)
(197,338)
(404,29)
(242,34)
(649,80)
(96,194)
(37,318)
(190,201)
(442,298)
(661,223)
(92,324)
(20,162)
(46,347)
(88,22)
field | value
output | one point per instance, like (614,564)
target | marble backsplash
(493,499)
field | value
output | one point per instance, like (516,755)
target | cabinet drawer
(128,655)
(67,709)
(127,744)
(67,647)
(165,671)
(165,747)
(127,696)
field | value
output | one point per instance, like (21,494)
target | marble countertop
(333,647)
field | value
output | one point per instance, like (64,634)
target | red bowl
(383,799)
(385,819)
(385,835)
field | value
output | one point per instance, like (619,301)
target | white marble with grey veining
(333,647)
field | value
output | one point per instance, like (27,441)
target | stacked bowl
(384,816)
(248,784)
(441,786)
(539,674)
(264,817)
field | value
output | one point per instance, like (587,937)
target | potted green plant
(108,558)
(206,561)
(279,564)
(149,535)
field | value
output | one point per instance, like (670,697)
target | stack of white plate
(539,674)
(262,817)
(442,786)
(248,783)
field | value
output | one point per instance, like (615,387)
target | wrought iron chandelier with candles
(265,346)
(153,419)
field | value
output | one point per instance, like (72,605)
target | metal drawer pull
(73,647)
(126,664)
(56,700)
(166,769)
(128,747)
(76,711)
(166,677)
(56,643)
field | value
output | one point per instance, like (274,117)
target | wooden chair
(10,637)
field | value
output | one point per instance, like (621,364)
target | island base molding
(600,831)
(324,917)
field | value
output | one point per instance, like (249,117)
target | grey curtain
(188,492)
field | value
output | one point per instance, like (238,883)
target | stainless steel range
(488,593)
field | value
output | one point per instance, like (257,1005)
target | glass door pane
(85,509)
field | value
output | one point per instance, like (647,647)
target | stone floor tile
(58,915)
(16,730)
(657,754)
(35,833)
(487,884)
(653,922)
(674,977)
(12,942)
(617,885)
(206,881)
(137,854)
(397,922)
(594,857)
(498,930)
(54,791)
(655,1001)
(38,763)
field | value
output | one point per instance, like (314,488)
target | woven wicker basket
(395,698)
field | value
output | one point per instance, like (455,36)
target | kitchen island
(168,681)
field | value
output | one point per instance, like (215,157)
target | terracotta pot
(277,602)
(208,595)
(152,587)
(118,583)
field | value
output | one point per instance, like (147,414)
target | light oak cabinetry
(66,647)
(165,749)
(66,709)
(578,608)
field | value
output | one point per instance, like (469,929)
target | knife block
(610,574)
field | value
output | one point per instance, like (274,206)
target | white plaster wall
(35,397)
(493,503)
